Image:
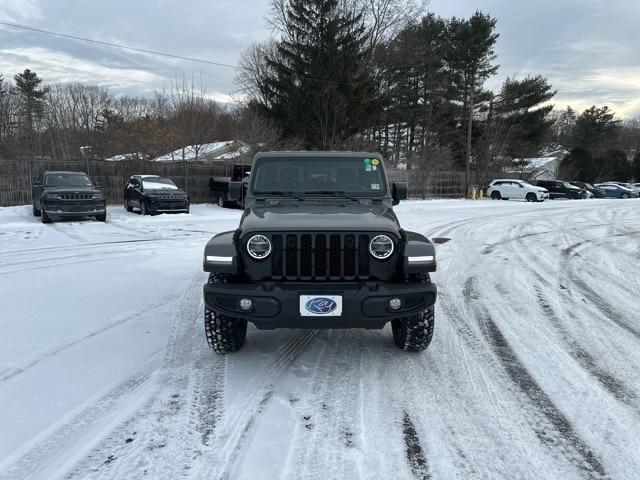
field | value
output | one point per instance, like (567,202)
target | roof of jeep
(312,154)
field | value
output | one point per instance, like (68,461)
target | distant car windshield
(159,183)
(319,175)
(67,180)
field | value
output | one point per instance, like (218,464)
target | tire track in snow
(233,438)
(563,437)
(588,362)
(413,449)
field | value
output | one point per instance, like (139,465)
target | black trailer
(220,186)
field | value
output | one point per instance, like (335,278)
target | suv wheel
(222,202)
(495,195)
(36,212)
(414,333)
(224,334)
(44,217)
(144,210)
(624,195)
(102,217)
(127,206)
(531,197)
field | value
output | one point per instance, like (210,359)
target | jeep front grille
(320,256)
(76,196)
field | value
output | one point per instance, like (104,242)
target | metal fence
(17,176)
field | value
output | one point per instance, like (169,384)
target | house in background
(544,167)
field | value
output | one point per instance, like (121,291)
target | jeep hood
(320,217)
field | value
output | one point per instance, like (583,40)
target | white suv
(516,189)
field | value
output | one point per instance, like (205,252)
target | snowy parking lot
(533,371)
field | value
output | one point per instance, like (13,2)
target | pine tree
(597,130)
(319,87)
(32,103)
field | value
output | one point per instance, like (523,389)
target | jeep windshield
(314,176)
(71,180)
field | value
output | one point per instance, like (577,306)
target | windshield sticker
(367,164)
(375,186)
(374,168)
(375,162)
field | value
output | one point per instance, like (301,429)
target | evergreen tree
(319,87)
(578,165)
(596,130)
(614,165)
(32,103)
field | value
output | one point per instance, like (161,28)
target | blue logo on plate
(320,305)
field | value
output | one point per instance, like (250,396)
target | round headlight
(381,247)
(259,247)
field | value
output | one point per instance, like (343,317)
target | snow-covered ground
(533,371)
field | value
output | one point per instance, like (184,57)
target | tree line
(71,120)
(384,75)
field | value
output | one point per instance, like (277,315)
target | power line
(117,45)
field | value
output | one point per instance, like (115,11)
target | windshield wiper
(338,194)
(282,193)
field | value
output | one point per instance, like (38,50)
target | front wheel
(495,195)
(224,334)
(127,206)
(44,216)
(414,333)
(36,212)
(144,210)
(102,217)
(531,197)
(624,195)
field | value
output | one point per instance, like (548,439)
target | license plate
(320,305)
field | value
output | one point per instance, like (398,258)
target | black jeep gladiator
(319,246)
(66,195)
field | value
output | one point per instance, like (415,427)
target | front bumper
(277,304)
(76,209)
(168,206)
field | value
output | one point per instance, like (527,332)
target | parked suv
(559,189)
(516,189)
(152,194)
(58,195)
(595,191)
(319,246)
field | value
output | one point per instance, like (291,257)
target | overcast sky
(589,49)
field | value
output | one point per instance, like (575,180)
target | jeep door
(519,192)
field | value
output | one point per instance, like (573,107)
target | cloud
(19,10)
(62,67)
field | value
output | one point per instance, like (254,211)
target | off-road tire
(36,212)
(102,217)
(224,334)
(531,197)
(414,333)
(495,195)
(222,202)
(128,206)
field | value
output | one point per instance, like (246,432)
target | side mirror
(235,191)
(37,184)
(399,191)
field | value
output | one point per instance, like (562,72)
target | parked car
(58,195)
(506,188)
(613,190)
(559,189)
(319,246)
(152,194)
(220,186)
(631,186)
(595,191)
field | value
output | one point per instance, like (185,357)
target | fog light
(246,304)
(395,304)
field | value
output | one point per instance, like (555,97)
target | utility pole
(467,176)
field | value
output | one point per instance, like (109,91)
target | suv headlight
(51,196)
(259,247)
(381,247)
